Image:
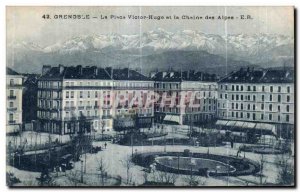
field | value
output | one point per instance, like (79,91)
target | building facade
(84,99)
(260,96)
(14,91)
(185,97)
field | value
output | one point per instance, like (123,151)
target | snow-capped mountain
(158,49)
(161,40)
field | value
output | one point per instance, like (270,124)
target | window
(232,97)
(72,94)
(248,88)
(237,97)
(263,88)
(11,82)
(288,108)
(88,94)
(262,116)
(232,114)
(278,108)
(253,107)
(279,89)
(221,86)
(248,107)
(278,117)
(263,97)
(237,88)
(226,87)
(271,89)
(242,87)
(254,97)
(81,94)
(236,114)
(11,104)
(232,87)
(254,88)
(225,96)
(288,89)
(287,118)
(96,94)
(253,116)
(11,117)
(221,96)
(262,106)
(11,93)
(242,106)
(248,115)
(232,105)
(270,117)
(270,107)
(236,105)
(67,94)
(279,98)
(288,98)
(271,98)
(241,114)
(242,97)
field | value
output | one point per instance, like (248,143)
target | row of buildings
(74,99)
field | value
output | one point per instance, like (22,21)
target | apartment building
(185,97)
(84,99)
(258,96)
(14,91)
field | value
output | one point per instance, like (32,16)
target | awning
(249,125)
(239,124)
(172,118)
(221,122)
(266,126)
(231,123)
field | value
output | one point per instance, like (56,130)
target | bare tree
(286,170)
(128,165)
(193,180)
(102,170)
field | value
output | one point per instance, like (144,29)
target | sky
(27,24)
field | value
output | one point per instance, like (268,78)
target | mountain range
(158,50)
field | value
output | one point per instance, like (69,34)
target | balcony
(80,107)
(70,118)
(89,107)
(106,116)
(12,109)
(11,122)
(11,97)
(96,107)
(69,108)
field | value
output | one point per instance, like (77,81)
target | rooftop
(93,72)
(260,76)
(176,76)
(9,71)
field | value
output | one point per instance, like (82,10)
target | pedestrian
(105,144)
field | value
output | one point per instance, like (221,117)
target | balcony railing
(11,97)
(80,107)
(106,116)
(12,109)
(12,122)
(70,108)
(89,107)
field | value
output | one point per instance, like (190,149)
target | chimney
(46,69)
(164,74)
(79,69)
(61,68)
(95,70)
(152,74)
